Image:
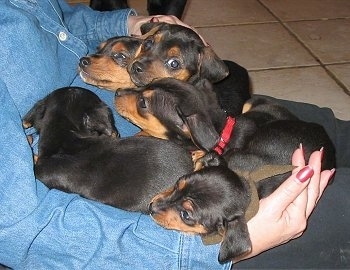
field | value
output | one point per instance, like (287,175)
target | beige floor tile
(257,46)
(219,12)
(342,73)
(309,9)
(329,40)
(310,85)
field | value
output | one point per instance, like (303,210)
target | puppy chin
(84,76)
(89,80)
(139,81)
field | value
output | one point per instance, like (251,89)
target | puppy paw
(196,159)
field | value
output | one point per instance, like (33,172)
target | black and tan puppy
(171,50)
(75,156)
(107,68)
(266,134)
(165,50)
(66,114)
(211,200)
(175,51)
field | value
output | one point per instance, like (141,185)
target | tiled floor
(294,49)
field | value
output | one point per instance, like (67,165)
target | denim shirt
(40,47)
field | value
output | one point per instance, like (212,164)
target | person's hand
(283,215)
(135,22)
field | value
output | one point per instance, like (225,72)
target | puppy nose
(137,67)
(84,62)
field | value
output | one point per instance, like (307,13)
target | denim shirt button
(62,36)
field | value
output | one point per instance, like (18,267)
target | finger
(326,176)
(289,190)
(313,188)
(298,158)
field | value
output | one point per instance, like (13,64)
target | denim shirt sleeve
(94,27)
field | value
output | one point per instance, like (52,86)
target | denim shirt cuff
(111,24)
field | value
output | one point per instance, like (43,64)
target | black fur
(219,199)
(67,114)
(267,134)
(125,173)
(193,56)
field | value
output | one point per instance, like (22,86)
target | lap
(326,242)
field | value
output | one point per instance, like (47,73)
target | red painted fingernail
(304,174)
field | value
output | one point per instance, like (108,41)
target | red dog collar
(225,135)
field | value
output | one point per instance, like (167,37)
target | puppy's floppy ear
(101,46)
(236,240)
(211,66)
(99,124)
(36,113)
(202,131)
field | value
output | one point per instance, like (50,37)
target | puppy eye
(119,55)
(173,63)
(142,103)
(185,215)
(120,58)
(147,44)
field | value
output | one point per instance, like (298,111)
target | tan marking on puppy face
(103,72)
(174,52)
(188,205)
(128,107)
(157,70)
(170,219)
(106,70)
(158,37)
(158,66)
(181,184)
(154,71)
(163,195)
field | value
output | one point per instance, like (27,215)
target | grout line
(292,33)
(318,19)
(284,67)
(233,24)
(277,21)
(337,80)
